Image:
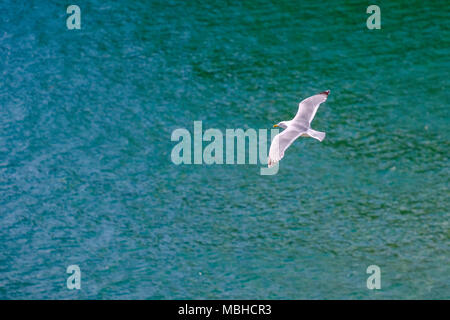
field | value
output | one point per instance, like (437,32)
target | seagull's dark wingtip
(325,92)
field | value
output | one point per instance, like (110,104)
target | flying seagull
(300,126)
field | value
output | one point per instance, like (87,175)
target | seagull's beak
(275,125)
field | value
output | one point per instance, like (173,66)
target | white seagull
(300,126)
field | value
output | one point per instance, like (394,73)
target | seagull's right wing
(280,143)
(307,108)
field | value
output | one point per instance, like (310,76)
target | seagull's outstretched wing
(280,143)
(307,108)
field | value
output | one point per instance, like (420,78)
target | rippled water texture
(86,177)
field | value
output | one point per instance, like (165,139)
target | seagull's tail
(316,134)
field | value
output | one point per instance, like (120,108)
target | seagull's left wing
(280,143)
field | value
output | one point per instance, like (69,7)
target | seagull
(300,126)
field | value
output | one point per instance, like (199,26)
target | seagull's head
(282,124)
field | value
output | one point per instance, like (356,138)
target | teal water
(86,177)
